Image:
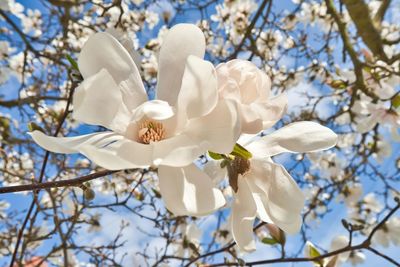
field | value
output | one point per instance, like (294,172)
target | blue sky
(330,226)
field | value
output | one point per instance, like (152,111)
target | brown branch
(54,184)
(358,65)
(28,100)
(250,28)
(364,245)
(41,177)
(380,14)
(360,14)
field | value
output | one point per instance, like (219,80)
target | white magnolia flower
(184,121)
(370,114)
(265,189)
(242,82)
(371,203)
(351,194)
(338,243)
(191,237)
(388,233)
(354,257)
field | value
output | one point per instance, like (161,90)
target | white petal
(285,200)
(250,120)
(218,131)
(271,111)
(366,124)
(101,148)
(93,95)
(154,109)
(113,156)
(137,153)
(280,199)
(198,94)
(127,43)
(243,215)
(213,169)
(262,115)
(102,51)
(189,191)
(340,242)
(68,145)
(177,151)
(181,41)
(297,137)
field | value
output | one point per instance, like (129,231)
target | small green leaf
(269,241)
(73,63)
(313,252)
(215,156)
(396,101)
(241,262)
(224,163)
(240,151)
(5,127)
(338,84)
(34,127)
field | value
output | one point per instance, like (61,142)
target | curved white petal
(258,116)
(340,242)
(271,111)
(279,199)
(366,124)
(68,145)
(93,95)
(290,226)
(260,199)
(297,137)
(137,153)
(181,41)
(128,43)
(243,214)
(250,120)
(188,191)
(102,51)
(198,94)
(119,155)
(154,109)
(101,148)
(285,200)
(218,131)
(246,139)
(213,169)
(177,151)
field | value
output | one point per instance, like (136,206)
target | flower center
(150,131)
(241,165)
(238,166)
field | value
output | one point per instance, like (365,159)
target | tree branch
(54,184)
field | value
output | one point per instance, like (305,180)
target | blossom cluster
(198,109)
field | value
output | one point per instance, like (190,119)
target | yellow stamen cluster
(150,131)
